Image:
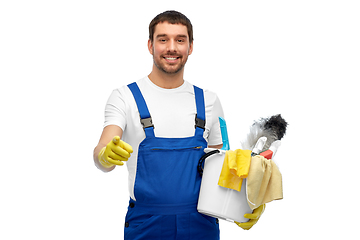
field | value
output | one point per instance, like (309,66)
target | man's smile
(171,59)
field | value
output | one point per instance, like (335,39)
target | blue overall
(167,183)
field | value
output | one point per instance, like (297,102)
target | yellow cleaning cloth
(264,183)
(235,167)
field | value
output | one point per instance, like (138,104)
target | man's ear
(150,47)
(191,47)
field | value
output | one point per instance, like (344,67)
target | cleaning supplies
(220,202)
(264,182)
(259,146)
(224,134)
(272,128)
(233,205)
(216,201)
(235,168)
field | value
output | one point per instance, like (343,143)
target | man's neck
(165,80)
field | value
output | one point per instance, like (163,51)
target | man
(165,122)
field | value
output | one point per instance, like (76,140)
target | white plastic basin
(218,201)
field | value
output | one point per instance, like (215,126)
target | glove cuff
(102,160)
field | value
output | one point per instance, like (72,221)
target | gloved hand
(254,217)
(114,153)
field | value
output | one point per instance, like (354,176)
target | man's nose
(172,47)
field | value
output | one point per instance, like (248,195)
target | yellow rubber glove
(115,153)
(254,217)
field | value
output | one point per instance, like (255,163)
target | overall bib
(167,183)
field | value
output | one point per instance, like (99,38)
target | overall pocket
(168,175)
(138,225)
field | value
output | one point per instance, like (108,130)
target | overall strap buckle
(145,118)
(147,122)
(199,123)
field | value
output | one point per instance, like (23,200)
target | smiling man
(170,44)
(170,47)
(164,124)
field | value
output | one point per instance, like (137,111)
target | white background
(60,60)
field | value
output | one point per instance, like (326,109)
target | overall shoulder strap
(200,109)
(145,117)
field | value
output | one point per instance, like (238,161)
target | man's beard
(169,70)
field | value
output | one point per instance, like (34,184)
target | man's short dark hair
(172,17)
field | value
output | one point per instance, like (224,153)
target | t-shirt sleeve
(115,110)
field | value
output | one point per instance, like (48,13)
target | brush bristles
(277,125)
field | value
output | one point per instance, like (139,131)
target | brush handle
(259,145)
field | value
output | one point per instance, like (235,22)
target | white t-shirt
(172,112)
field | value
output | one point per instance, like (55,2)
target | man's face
(170,47)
